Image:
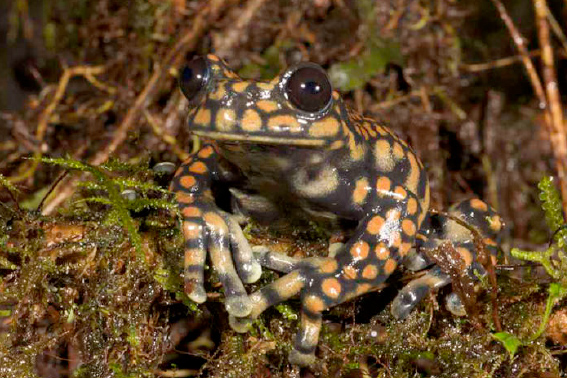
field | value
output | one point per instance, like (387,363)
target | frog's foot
(285,287)
(415,261)
(459,256)
(207,229)
(416,290)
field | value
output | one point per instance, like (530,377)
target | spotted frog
(290,151)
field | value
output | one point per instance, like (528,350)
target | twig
(524,54)
(556,28)
(553,117)
(498,63)
(51,188)
(68,73)
(397,100)
(555,121)
(425,100)
(450,103)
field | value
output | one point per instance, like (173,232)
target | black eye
(309,89)
(193,77)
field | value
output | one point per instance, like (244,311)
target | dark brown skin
(292,151)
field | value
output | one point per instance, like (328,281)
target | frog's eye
(193,77)
(309,89)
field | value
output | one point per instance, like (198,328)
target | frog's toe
(195,293)
(194,261)
(454,304)
(240,325)
(416,261)
(302,359)
(406,301)
(238,305)
(249,270)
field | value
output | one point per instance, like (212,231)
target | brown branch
(498,63)
(520,44)
(557,29)
(68,73)
(555,121)
(552,116)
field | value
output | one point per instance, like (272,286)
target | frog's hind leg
(363,263)
(438,229)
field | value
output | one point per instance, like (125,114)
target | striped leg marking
(237,302)
(306,340)
(206,229)
(248,268)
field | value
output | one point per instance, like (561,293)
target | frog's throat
(261,139)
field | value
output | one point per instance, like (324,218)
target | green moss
(552,207)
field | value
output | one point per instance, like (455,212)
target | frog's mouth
(261,139)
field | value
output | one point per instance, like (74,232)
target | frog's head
(297,108)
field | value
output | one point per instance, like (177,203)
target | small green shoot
(5,313)
(118,203)
(553,260)
(551,205)
(510,342)
(556,293)
(7,184)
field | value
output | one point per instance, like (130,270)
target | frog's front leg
(381,239)
(206,228)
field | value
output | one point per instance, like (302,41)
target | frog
(290,152)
